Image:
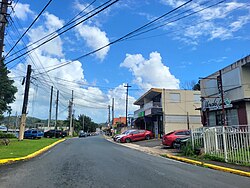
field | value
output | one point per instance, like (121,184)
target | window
(175,97)
(181,133)
(197,98)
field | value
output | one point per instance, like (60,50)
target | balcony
(147,106)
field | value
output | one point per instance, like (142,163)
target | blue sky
(170,57)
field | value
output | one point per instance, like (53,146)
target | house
(165,110)
(226,95)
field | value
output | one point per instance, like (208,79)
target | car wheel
(176,145)
(147,137)
(128,140)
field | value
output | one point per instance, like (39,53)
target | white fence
(228,143)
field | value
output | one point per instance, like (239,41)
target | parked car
(82,134)
(124,133)
(33,134)
(53,133)
(172,138)
(136,135)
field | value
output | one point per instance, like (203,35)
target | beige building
(165,110)
(233,82)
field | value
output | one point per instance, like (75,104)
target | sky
(146,44)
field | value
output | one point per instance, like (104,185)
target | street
(96,162)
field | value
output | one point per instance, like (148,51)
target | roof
(149,94)
(244,62)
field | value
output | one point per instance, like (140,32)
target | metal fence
(228,143)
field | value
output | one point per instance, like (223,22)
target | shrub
(6,135)
(187,149)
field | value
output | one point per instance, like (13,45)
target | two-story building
(226,95)
(165,110)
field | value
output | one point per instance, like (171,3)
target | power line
(67,24)
(29,27)
(61,32)
(117,40)
(175,20)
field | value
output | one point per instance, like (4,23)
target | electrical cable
(29,26)
(61,32)
(119,39)
(67,24)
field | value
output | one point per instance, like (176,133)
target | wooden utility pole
(57,100)
(113,101)
(25,104)
(71,115)
(220,88)
(50,106)
(108,114)
(127,86)
(3,22)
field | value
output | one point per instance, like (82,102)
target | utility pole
(70,115)
(25,104)
(108,114)
(220,88)
(83,123)
(50,106)
(188,126)
(16,123)
(113,103)
(3,22)
(127,86)
(57,100)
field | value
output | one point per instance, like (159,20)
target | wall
(246,81)
(175,113)
(248,112)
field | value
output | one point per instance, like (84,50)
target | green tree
(7,90)
(197,86)
(89,125)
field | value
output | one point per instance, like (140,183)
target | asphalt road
(96,162)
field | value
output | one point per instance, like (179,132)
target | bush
(187,149)
(6,135)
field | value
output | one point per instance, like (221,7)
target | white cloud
(119,95)
(53,47)
(95,38)
(88,100)
(22,11)
(150,72)
(218,22)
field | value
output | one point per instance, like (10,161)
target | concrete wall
(175,113)
(248,112)
(246,81)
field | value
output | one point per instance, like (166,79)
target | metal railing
(228,143)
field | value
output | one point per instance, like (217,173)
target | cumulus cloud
(149,73)
(22,11)
(119,94)
(53,47)
(95,38)
(64,79)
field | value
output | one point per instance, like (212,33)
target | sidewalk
(155,147)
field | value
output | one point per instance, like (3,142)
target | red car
(136,135)
(169,139)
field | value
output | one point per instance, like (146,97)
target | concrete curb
(32,155)
(215,167)
(186,160)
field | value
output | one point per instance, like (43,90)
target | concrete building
(234,81)
(165,110)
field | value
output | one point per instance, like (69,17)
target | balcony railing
(149,105)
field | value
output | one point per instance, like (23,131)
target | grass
(23,148)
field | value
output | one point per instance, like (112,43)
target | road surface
(96,162)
